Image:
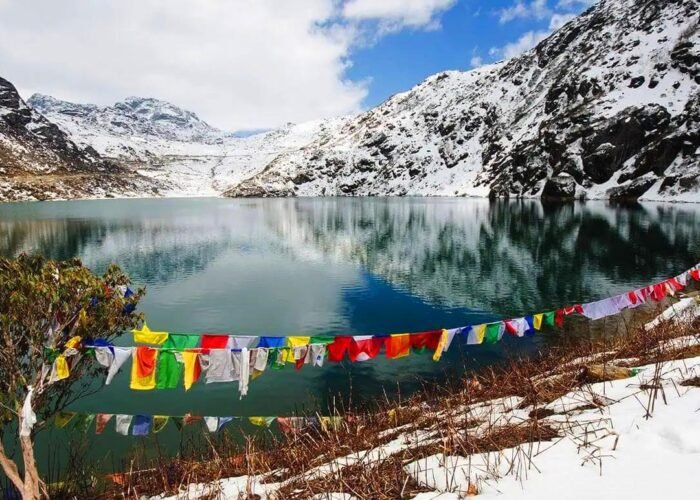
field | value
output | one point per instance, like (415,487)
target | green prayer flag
(178,422)
(180,341)
(273,358)
(50,354)
(492,333)
(322,339)
(549,318)
(82,422)
(169,371)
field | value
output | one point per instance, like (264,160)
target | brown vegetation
(440,419)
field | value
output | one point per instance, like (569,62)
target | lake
(343,266)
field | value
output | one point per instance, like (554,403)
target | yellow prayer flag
(328,423)
(191,361)
(62,418)
(82,318)
(159,422)
(146,336)
(261,421)
(537,321)
(61,370)
(73,342)
(292,342)
(441,345)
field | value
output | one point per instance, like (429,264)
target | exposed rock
(39,161)
(577,104)
(562,187)
(138,116)
(637,82)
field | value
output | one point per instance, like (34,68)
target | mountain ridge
(141,116)
(624,125)
(38,160)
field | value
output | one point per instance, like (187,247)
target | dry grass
(438,420)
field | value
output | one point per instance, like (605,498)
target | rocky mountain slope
(606,107)
(174,147)
(39,161)
(135,116)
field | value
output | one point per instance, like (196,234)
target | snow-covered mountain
(40,161)
(607,107)
(135,116)
(173,146)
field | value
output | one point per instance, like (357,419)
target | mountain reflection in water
(353,266)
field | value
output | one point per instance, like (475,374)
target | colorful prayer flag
(159,423)
(398,346)
(143,369)
(146,336)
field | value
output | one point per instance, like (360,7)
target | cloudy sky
(253,64)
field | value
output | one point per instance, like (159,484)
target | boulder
(561,187)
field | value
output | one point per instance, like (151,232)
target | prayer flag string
(143,425)
(165,358)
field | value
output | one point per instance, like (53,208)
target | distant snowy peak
(134,116)
(39,160)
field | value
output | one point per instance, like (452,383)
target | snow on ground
(614,451)
(633,438)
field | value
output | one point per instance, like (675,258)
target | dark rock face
(562,187)
(22,123)
(609,99)
(39,161)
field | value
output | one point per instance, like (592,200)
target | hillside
(606,107)
(40,161)
(172,146)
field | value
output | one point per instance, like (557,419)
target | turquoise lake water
(343,266)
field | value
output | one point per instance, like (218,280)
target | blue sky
(258,64)
(467,34)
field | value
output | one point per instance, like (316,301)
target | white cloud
(559,20)
(536,9)
(239,64)
(476,61)
(575,4)
(394,14)
(243,64)
(524,43)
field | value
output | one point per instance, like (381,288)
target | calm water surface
(343,266)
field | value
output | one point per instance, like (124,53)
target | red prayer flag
(510,327)
(675,284)
(658,291)
(429,340)
(213,341)
(362,350)
(559,318)
(337,348)
(145,361)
